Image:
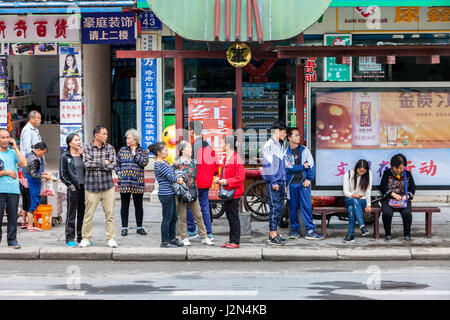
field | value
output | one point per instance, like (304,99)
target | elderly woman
(130,164)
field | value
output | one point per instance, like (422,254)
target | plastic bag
(47,189)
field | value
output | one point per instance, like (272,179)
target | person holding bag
(188,166)
(231,189)
(397,188)
(71,172)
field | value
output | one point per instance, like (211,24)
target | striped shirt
(98,173)
(165,175)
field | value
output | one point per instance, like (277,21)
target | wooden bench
(325,211)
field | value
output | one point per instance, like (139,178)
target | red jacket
(208,165)
(234,173)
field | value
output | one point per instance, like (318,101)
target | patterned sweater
(130,170)
(189,168)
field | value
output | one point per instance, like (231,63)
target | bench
(325,211)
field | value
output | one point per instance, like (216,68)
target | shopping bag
(47,189)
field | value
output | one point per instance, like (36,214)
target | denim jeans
(169,219)
(10,202)
(203,199)
(355,212)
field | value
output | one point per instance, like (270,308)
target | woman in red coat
(233,178)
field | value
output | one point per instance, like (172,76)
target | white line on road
(214,293)
(406,292)
(41,293)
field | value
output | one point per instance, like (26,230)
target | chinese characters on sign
(149,21)
(40,28)
(107,28)
(149,100)
(332,70)
(3,92)
(239,55)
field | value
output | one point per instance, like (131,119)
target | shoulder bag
(225,194)
(400,203)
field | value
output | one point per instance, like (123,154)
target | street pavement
(50,244)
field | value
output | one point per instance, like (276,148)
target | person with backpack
(188,166)
(357,192)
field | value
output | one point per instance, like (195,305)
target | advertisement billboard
(375,122)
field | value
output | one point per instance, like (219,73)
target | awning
(238,20)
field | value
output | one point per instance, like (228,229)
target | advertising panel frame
(422,190)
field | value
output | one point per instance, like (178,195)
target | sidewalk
(50,244)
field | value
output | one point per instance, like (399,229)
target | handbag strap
(406,185)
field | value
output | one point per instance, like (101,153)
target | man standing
(300,171)
(10,158)
(28,138)
(208,166)
(273,172)
(99,159)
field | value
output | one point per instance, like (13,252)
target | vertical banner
(3,91)
(71,92)
(332,70)
(149,101)
(217,117)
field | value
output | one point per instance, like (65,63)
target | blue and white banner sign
(149,98)
(105,27)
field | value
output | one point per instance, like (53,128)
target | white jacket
(349,185)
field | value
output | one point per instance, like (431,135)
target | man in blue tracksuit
(300,172)
(274,173)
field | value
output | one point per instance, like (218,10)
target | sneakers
(294,235)
(407,238)
(232,246)
(85,243)
(192,234)
(186,242)
(313,236)
(176,242)
(112,243)
(14,245)
(141,231)
(124,232)
(71,244)
(349,238)
(276,241)
(210,235)
(364,231)
(168,245)
(388,237)
(208,241)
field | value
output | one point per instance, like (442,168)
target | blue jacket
(273,170)
(305,156)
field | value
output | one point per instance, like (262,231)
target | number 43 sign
(150,22)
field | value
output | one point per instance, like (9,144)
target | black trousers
(388,213)
(232,212)
(10,202)
(75,214)
(169,217)
(138,199)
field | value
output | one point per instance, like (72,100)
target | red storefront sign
(40,28)
(217,117)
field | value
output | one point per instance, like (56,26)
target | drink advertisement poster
(217,117)
(376,123)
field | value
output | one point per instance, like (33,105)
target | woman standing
(165,175)
(34,174)
(71,172)
(232,176)
(186,164)
(393,187)
(130,164)
(357,192)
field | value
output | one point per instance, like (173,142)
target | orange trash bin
(43,217)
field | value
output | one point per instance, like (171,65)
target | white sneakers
(186,242)
(112,243)
(84,243)
(208,242)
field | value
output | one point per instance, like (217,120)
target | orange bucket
(43,217)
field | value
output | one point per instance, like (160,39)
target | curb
(430,253)
(19,254)
(210,254)
(374,254)
(149,254)
(76,253)
(278,254)
(221,254)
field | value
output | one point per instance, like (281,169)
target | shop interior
(34,84)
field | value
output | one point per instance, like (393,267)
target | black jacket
(68,171)
(33,166)
(390,183)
